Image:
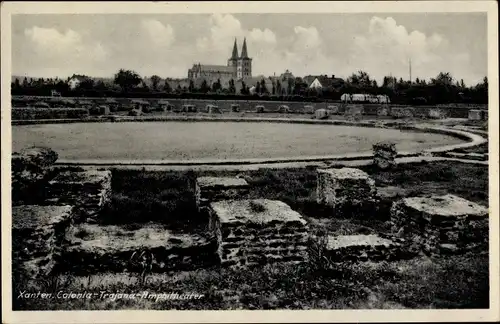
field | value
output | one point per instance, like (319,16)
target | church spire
(235,51)
(244,53)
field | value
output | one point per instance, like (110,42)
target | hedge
(48,113)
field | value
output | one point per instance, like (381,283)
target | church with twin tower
(238,67)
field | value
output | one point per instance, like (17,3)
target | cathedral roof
(215,68)
(244,53)
(235,51)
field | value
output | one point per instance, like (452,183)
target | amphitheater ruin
(65,232)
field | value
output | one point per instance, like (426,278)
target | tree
(244,88)
(100,85)
(257,88)
(278,87)
(360,80)
(16,84)
(274,89)
(86,84)
(191,86)
(232,88)
(204,87)
(179,89)
(216,86)
(25,82)
(127,79)
(166,87)
(289,88)
(443,78)
(155,81)
(263,88)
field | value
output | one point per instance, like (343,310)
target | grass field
(212,140)
(423,282)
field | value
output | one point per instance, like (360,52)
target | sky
(337,44)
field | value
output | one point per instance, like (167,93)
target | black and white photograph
(250,159)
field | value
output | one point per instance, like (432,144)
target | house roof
(326,82)
(78,77)
(215,68)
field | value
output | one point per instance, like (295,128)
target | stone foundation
(208,189)
(362,248)
(88,191)
(37,235)
(441,224)
(321,113)
(476,114)
(384,155)
(30,169)
(383,111)
(354,110)
(347,190)
(402,112)
(92,249)
(253,232)
(437,113)
(333,109)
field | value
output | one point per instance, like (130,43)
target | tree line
(442,89)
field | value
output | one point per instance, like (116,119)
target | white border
(9,8)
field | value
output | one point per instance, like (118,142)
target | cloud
(69,45)
(387,48)
(158,33)
(301,52)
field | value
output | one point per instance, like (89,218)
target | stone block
(383,111)
(437,113)
(354,110)
(475,114)
(402,112)
(384,155)
(93,249)
(346,190)
(88,191)
(259,231)
(30,168)
(209,189)
(362,248)
(321,113)
(438,220)
(333,109)
(37,235)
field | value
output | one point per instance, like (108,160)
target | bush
(48,113)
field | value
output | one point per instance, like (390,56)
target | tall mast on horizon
(410,68)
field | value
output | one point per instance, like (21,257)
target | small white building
(75,80)
(362,97)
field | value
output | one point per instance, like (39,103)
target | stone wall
(88,191)
(437,113)
(321,114)
(383,111)
(334,109)
(441,224)
(475,114)
(364,248)
(348,191)
(30,170)
(208,189)
(384,155)
(48,113)
(402,112)
(92,249)
(354,110)
(253,232)
(37,235)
